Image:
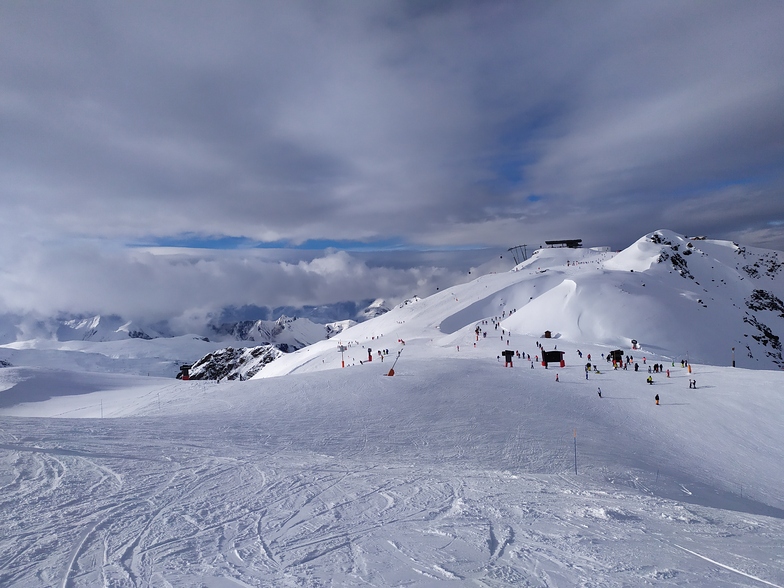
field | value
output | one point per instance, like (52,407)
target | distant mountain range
(293,326)
(251,342)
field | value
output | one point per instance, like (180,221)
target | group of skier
(622,362)
(656,368)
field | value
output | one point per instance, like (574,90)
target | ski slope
(456,471)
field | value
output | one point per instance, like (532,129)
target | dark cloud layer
(431,124)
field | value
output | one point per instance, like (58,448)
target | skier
(600,392)
(650,380)
(556,377)
(657,399)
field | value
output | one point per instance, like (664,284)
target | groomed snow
(455,471)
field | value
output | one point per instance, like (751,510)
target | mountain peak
(676,296)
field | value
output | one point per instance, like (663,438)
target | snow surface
(455,471)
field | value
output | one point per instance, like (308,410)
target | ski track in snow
(726,567)
(203,500)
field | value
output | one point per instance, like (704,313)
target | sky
(160,159)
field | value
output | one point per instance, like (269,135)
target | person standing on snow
(656,398)
(600,392)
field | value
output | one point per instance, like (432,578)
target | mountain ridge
(711,301)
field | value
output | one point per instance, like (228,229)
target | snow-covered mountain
(376,308)
(101,344)
(292,332)
(699,299)
(277,337)
(322,314)
(16,327)
(102,328)
(99,328)
(456,471)
(302,327)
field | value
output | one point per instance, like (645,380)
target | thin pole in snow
(575,452)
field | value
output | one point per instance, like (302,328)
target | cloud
(430,124)
(158,284)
